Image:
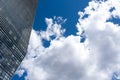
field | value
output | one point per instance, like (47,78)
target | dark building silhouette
(16,19)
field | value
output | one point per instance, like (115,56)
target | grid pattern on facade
(16,18)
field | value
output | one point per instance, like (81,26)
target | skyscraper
(16,19)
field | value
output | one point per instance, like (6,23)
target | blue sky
(64,8)
(68,32)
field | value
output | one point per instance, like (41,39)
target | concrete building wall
(16,19)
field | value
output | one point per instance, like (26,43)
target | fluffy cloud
(54,28)
(103,36)
(68,59)
(20,72)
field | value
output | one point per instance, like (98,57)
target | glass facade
(16,19)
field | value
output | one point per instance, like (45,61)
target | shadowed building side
(16,19)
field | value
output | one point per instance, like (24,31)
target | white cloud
(68,59)
(54,28)
(103,36)
(20,72)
